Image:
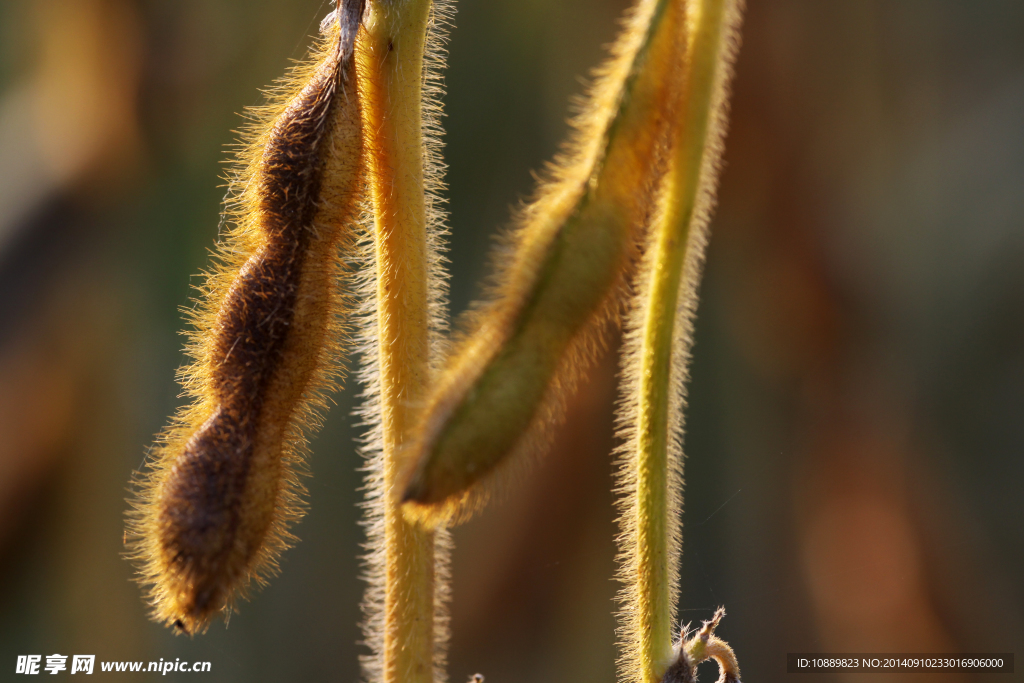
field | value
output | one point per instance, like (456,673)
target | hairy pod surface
(562,276)
(212,511)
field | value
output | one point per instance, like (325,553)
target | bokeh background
(855,445)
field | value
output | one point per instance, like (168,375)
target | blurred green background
(855,445)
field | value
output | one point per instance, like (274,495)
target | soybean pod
(212,512)
(564,272)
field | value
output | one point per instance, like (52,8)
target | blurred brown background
(855,430)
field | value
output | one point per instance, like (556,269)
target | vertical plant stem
(696,144)
(391,68)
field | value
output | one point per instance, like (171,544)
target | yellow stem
(391,68)
(656,561)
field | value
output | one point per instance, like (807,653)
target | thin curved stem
(688,195)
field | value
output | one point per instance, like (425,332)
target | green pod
(570,260)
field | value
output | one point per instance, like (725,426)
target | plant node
(704,645)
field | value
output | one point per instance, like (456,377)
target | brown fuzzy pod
(212,511)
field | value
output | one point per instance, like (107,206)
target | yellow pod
(212,511)
(568,264)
